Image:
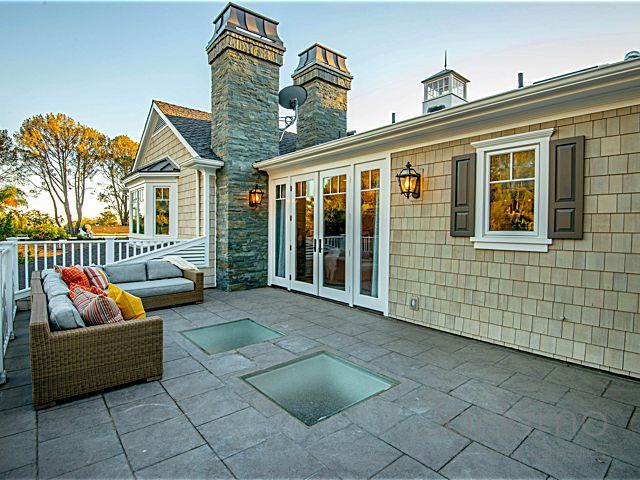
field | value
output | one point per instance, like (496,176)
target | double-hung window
(512,189)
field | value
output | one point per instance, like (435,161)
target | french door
(304,241)
(334,235)
(329,233)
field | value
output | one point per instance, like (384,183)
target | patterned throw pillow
(96,277)
(96,309)
(92,289)
(73,274)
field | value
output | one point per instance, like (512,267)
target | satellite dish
(292,96)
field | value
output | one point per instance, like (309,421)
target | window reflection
(369,231)
(512,191)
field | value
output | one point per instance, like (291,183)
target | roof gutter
(611,74)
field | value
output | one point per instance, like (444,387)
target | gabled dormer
(445,89)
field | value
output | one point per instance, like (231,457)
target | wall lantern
(409,181)
(255,196)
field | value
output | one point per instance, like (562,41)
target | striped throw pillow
(96,277)
(96,309)
(92,289)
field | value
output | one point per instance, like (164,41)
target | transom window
(512,178)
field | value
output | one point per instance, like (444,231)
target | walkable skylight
(318,386)
(229,336)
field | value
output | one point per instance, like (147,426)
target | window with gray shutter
(566,188)
(463,195)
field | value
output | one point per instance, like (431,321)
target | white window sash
(536,240)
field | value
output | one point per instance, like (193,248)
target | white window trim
(139,190)
(155,213)
(536,241)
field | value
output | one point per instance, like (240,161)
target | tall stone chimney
(324,74)
(245,55)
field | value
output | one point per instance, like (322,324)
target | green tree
(117,164)
(11,197)
(60,156)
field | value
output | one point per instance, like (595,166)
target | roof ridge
(182,111)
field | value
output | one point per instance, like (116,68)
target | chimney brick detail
(245,74)
(323,117)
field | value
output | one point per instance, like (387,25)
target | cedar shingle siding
(578,302)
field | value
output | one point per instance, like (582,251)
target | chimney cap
(318,54)
(243,21)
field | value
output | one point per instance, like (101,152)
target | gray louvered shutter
(566,188)
(463,195)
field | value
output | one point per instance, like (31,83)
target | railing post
(110,250)
(13,241)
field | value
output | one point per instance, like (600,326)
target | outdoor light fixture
(255,196)
(409,181)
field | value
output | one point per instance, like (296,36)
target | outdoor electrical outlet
(413,303)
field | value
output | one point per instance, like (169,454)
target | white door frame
(324,291)
(273,279)
(294,284)
(291,174)
(380,302)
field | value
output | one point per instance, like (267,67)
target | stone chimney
(245,55)
(323,117)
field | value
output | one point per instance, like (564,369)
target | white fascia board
(204,164)
(143,141)
(175,131)
(139,177)
(603,81)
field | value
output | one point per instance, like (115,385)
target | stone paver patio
(462,408)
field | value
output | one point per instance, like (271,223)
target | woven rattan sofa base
(183,298)
(69,363)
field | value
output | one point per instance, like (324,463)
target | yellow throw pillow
(130,305)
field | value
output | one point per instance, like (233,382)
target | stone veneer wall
(244,92)
(323,117)
(577,302)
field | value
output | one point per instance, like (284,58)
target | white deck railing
(8,256)
(35,255)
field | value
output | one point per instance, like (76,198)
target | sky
(103,63)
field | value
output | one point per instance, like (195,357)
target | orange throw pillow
(73,274)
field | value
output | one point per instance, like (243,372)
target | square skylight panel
(318,386)
(230,336)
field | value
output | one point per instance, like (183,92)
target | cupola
(445,89)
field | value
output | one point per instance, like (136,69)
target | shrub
(7,226)
(45,232)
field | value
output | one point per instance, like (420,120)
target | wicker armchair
(68,363)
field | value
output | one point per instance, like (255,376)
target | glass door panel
(335,241)
(369,232)
(280,243)
(304,234)
(371,210)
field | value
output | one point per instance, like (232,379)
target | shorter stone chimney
(323,117)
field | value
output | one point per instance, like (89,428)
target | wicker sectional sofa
(79,361)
